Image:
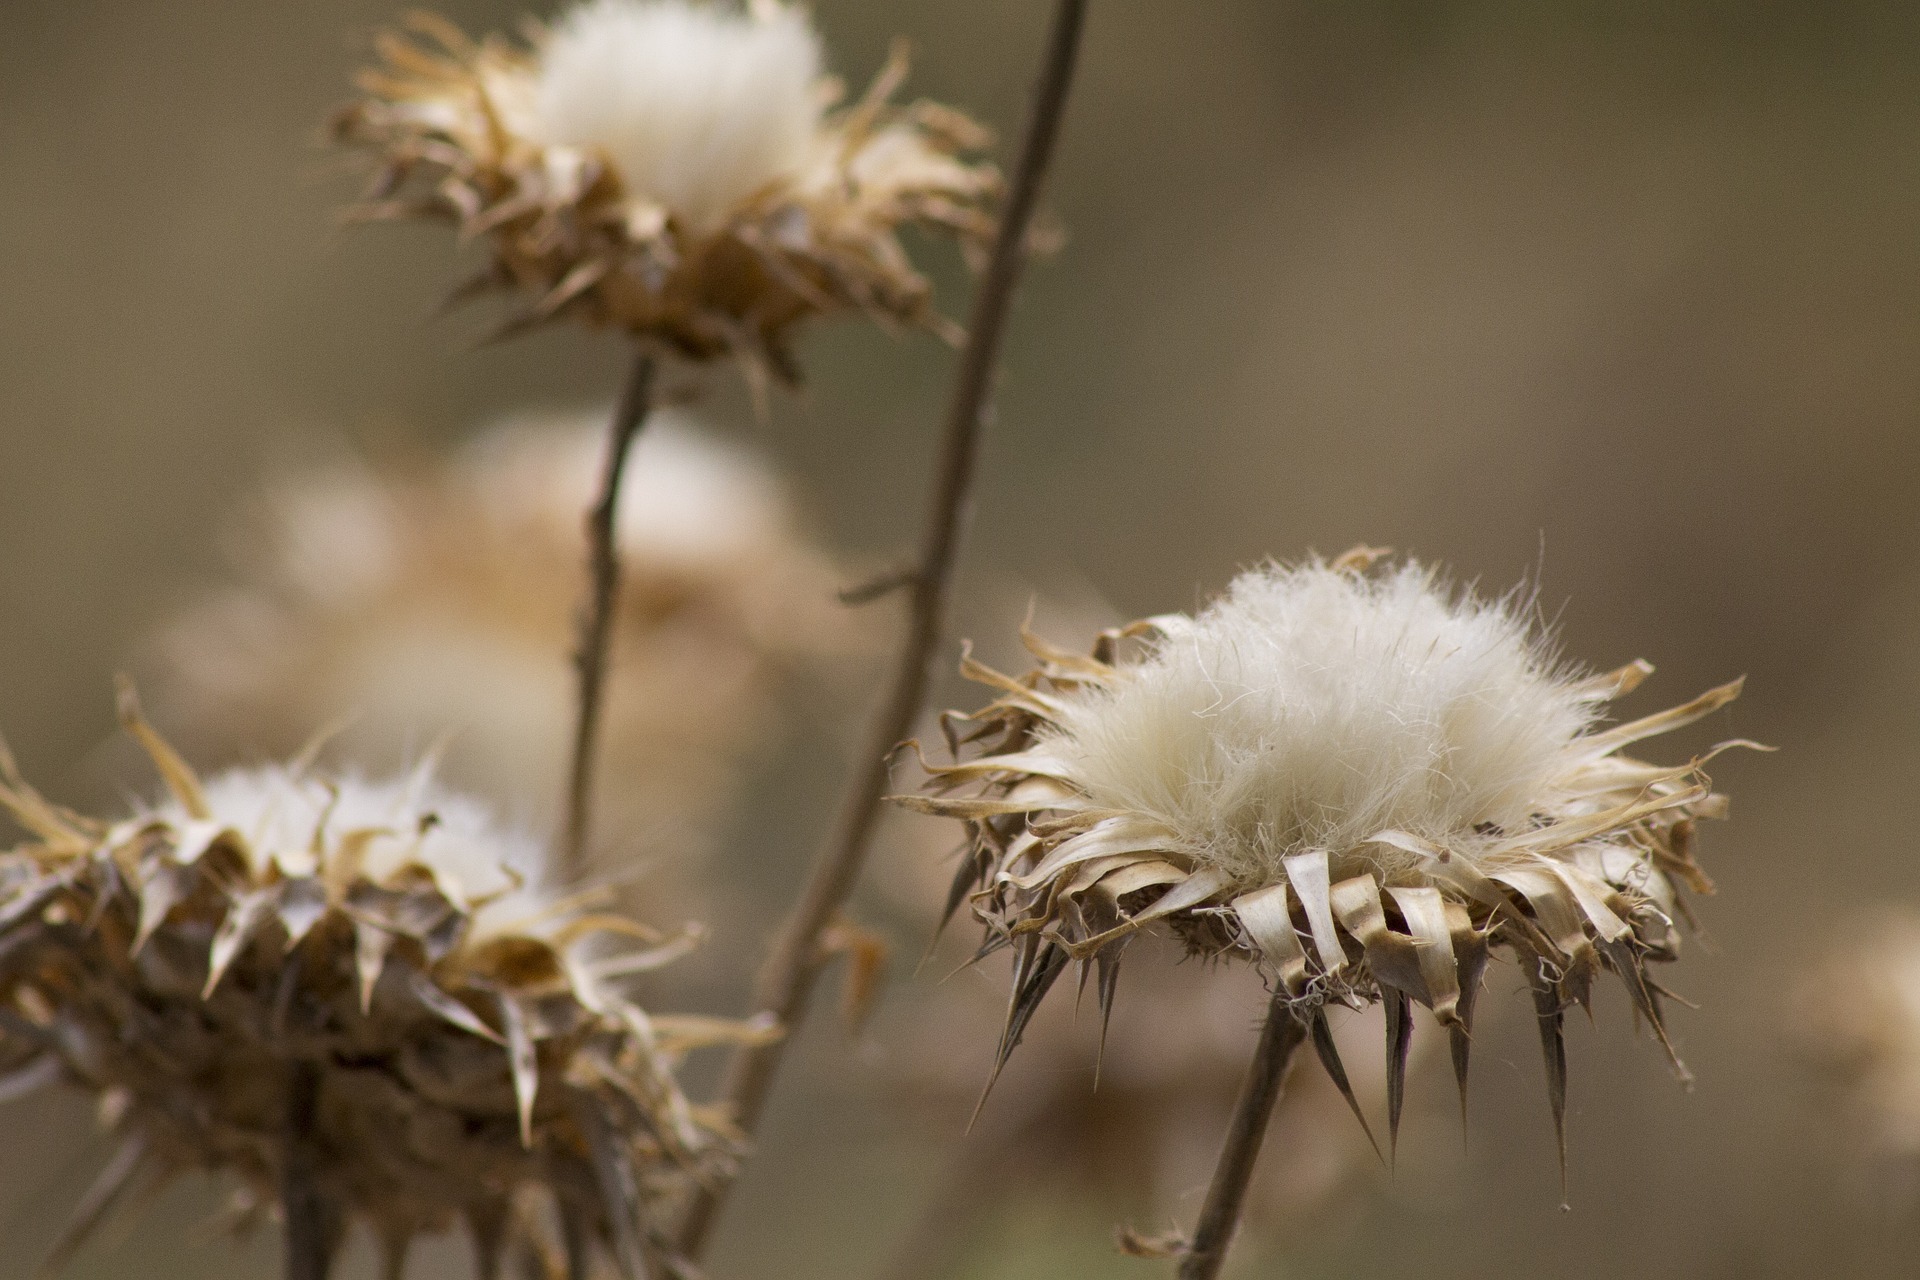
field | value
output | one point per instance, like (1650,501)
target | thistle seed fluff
(284,816)
(1312,708)
(697,107)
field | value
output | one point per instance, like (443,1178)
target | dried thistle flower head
(671,169)
(383,950)
(1858,1018)
(1360,782)
(443,599)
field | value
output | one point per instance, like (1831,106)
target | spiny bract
(671,169)
(1362,783)
(377,953)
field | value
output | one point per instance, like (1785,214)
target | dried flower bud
(1362,784)
(670,169)
(460,1038)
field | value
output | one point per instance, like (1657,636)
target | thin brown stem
(312,1222)
(786,981)
(1282,1035)
(596,621)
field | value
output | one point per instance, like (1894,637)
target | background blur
(1625,296)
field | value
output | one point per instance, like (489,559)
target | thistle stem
(596,621)
(786,981)
(1280,1038)
(312,1225)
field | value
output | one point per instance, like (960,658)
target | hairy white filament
(306,821)
(1312,707)
(696,106)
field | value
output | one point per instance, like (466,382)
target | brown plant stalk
(596,622)
(785,985)
(1280,1038)
(312,1232)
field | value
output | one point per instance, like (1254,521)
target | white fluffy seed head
(1312,707)
(300,821)
(697,107)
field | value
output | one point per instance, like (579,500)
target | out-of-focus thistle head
(1857,1017)
(463,1040)
(442,598)
(1362,783)
(673,169)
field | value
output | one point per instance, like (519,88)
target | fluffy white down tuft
(1312,707)
(696,106)
(420,822)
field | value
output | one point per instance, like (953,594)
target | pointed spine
(1550,1009)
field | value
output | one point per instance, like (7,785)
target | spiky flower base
(277,974)
(1363,784)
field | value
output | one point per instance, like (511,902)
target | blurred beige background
(1624,296)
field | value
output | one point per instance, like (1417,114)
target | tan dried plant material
(1362,782)
(404,603)
(674,170)
(464,1035)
